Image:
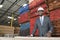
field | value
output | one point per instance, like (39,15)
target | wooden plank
(17,30)
(54,5)
(6,30)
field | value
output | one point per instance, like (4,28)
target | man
(43,24)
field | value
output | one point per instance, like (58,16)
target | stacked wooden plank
(56,24)
(16,30)
(23,18)
(53,4)
(6,30)
(54,7)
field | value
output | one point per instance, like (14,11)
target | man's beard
(40,14)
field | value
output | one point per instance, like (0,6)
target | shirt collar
(42,16)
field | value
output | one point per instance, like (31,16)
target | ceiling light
(1,6)
(15,19)
(18,17)
(24,5)
(30,1)
(8,22)
(10,17)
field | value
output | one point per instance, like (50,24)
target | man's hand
(48,34)
(31,35)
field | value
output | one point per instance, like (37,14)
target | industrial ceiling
(10,7)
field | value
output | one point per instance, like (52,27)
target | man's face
(41,12)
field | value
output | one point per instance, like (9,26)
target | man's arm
(34,30)
(50,28)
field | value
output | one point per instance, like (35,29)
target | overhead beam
(8,9)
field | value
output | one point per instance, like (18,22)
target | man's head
(40,11)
